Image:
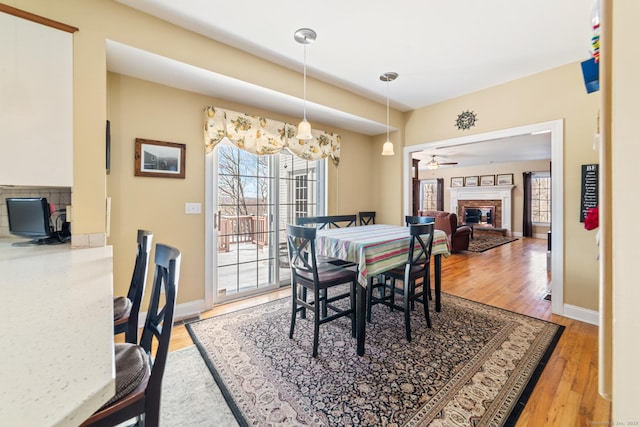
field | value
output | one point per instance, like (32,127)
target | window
(429,195)
(541,198)
(301,196)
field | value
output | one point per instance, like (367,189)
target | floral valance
(263,136)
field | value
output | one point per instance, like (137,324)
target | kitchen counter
(56,363)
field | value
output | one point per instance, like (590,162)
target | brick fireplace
(490,211)
(494,199)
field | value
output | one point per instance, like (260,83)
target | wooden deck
(252,260)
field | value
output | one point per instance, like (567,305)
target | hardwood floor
(512,277)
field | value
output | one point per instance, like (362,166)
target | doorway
(555,129)
(249,202)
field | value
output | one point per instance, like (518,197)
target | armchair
(459,236)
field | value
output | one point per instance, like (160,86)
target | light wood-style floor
(512,277)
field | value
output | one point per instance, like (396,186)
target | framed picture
(487,180)
(457,181)
(471,181)
(159,159)
(505,179)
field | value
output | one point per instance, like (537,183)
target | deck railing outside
(242,229)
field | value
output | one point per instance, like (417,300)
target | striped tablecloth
(374,248)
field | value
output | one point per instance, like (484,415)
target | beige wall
(99,20)
(167,115)
(624,152)
(517,199)
(551,95)
(141,109)
(554,94)
(547,96)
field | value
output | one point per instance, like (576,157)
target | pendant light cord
(387,109)
(304,85)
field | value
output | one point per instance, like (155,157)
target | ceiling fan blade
(447,163)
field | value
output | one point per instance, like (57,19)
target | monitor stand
(39,242)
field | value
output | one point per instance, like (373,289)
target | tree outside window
(541,198)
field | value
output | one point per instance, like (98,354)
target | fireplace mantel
(495,192)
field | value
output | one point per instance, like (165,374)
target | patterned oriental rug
(476,367)
(481,243)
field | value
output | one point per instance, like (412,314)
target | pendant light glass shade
(304,36)
(387,148)
(304,130)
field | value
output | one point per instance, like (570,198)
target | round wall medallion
(466,119)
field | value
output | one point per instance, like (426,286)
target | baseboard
(535,236)
(582,314)
(189,309)
(183,311)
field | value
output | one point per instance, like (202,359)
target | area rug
(481,243)
(475,367)
(190,396)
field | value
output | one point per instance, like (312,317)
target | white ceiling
(494,151)
(440,49)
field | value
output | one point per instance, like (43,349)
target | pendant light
(387,148)
(304,36)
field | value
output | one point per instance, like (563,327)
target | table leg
(438,274)
(361,308)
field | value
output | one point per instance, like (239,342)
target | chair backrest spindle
(367,217)
(420,248)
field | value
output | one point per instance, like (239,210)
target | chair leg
(303,297)
(407,310)
(294,308)
(412,292)
(323,296)
(383,288)
(426,292)
(316,321)
(369,293)
(352,298)
(392,296)
(425,303)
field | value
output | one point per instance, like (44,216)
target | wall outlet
(192,208)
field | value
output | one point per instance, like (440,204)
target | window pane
(429,195)
(541,199)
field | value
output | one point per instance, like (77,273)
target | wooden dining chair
(308,275)
(418,219)
(367,217)
(127,309)
(416,268)
(138,374)
(328,222)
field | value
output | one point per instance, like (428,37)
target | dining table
(375,249)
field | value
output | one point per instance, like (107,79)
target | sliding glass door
(254,198)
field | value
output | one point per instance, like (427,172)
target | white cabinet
(36,104)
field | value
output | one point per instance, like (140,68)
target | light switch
(192,208)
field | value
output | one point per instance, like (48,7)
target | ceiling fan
(434,164)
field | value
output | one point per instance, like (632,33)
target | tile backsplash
(58,196)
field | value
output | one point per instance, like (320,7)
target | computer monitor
(30,217)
